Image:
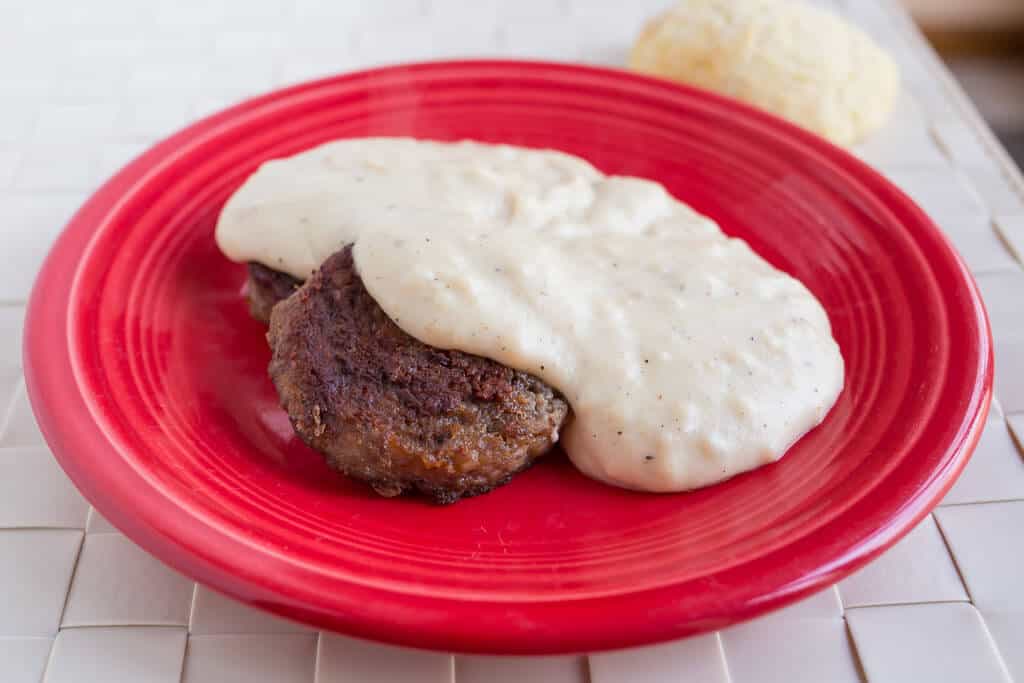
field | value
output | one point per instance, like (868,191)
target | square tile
(940,192)
(17,117)
(250,659)
(98,524)
(230,44)
(76,122)
(35,570)
(126,654)
(936,642)
(55,167)
(35,492)
(118,583)
(917,569)
(977,240)
(165,75)
(150,119)
(20,428)
(1011,227)
(935,100)
(995,470)
(693,660)
(115,155)
(22,660)
(1009,369)
(344,660)
(987,542)
(903,140)
(994,187)
(1001,292)
(483,669)
(29,222)
(1007,630)
(10,159)
(11,318)
(790,651)
(213,613)
(824,604)
(961,142)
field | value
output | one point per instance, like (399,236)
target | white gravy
(685,356)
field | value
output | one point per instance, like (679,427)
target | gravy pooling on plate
(686,357)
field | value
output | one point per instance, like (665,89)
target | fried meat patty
(265,288)
(388,409)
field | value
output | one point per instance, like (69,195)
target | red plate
(149,380)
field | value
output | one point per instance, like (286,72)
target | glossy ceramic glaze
(149,380)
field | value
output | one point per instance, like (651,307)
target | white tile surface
(11,318)
(250,659)
(977,240)
(960,142)
(98,524)
(35,569)
(20,427)
(22,660)
(995,471)
(10,158)
(70,123)
(824,604)
(903,141)
(988,544)
(790,651)
(345,660)
(938,643)
(694,660)
(115,155)
(938,191)
(475,669)
(95,83)
(116,582)
(50,167)
(917,569)
(125,654)
(1009,369)
(29,222)
(1002,292)
(35,492)
(1007,629)
(1011,227)
(153,118)
(17,117)
(994,188)
(214,613)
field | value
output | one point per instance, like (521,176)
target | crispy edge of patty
(390,410)
(265,288)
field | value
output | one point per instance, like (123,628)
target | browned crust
(265,288)
(392,411)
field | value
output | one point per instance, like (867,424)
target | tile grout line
(979,502)
(852,643)
(1004,240)
(965,107)
(71,582)
(318,654)
(192,608)
(912,604)
(723,657)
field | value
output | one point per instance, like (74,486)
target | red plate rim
(279,583)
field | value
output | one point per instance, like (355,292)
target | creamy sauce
(685,356)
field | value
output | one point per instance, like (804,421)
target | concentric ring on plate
(149,380)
